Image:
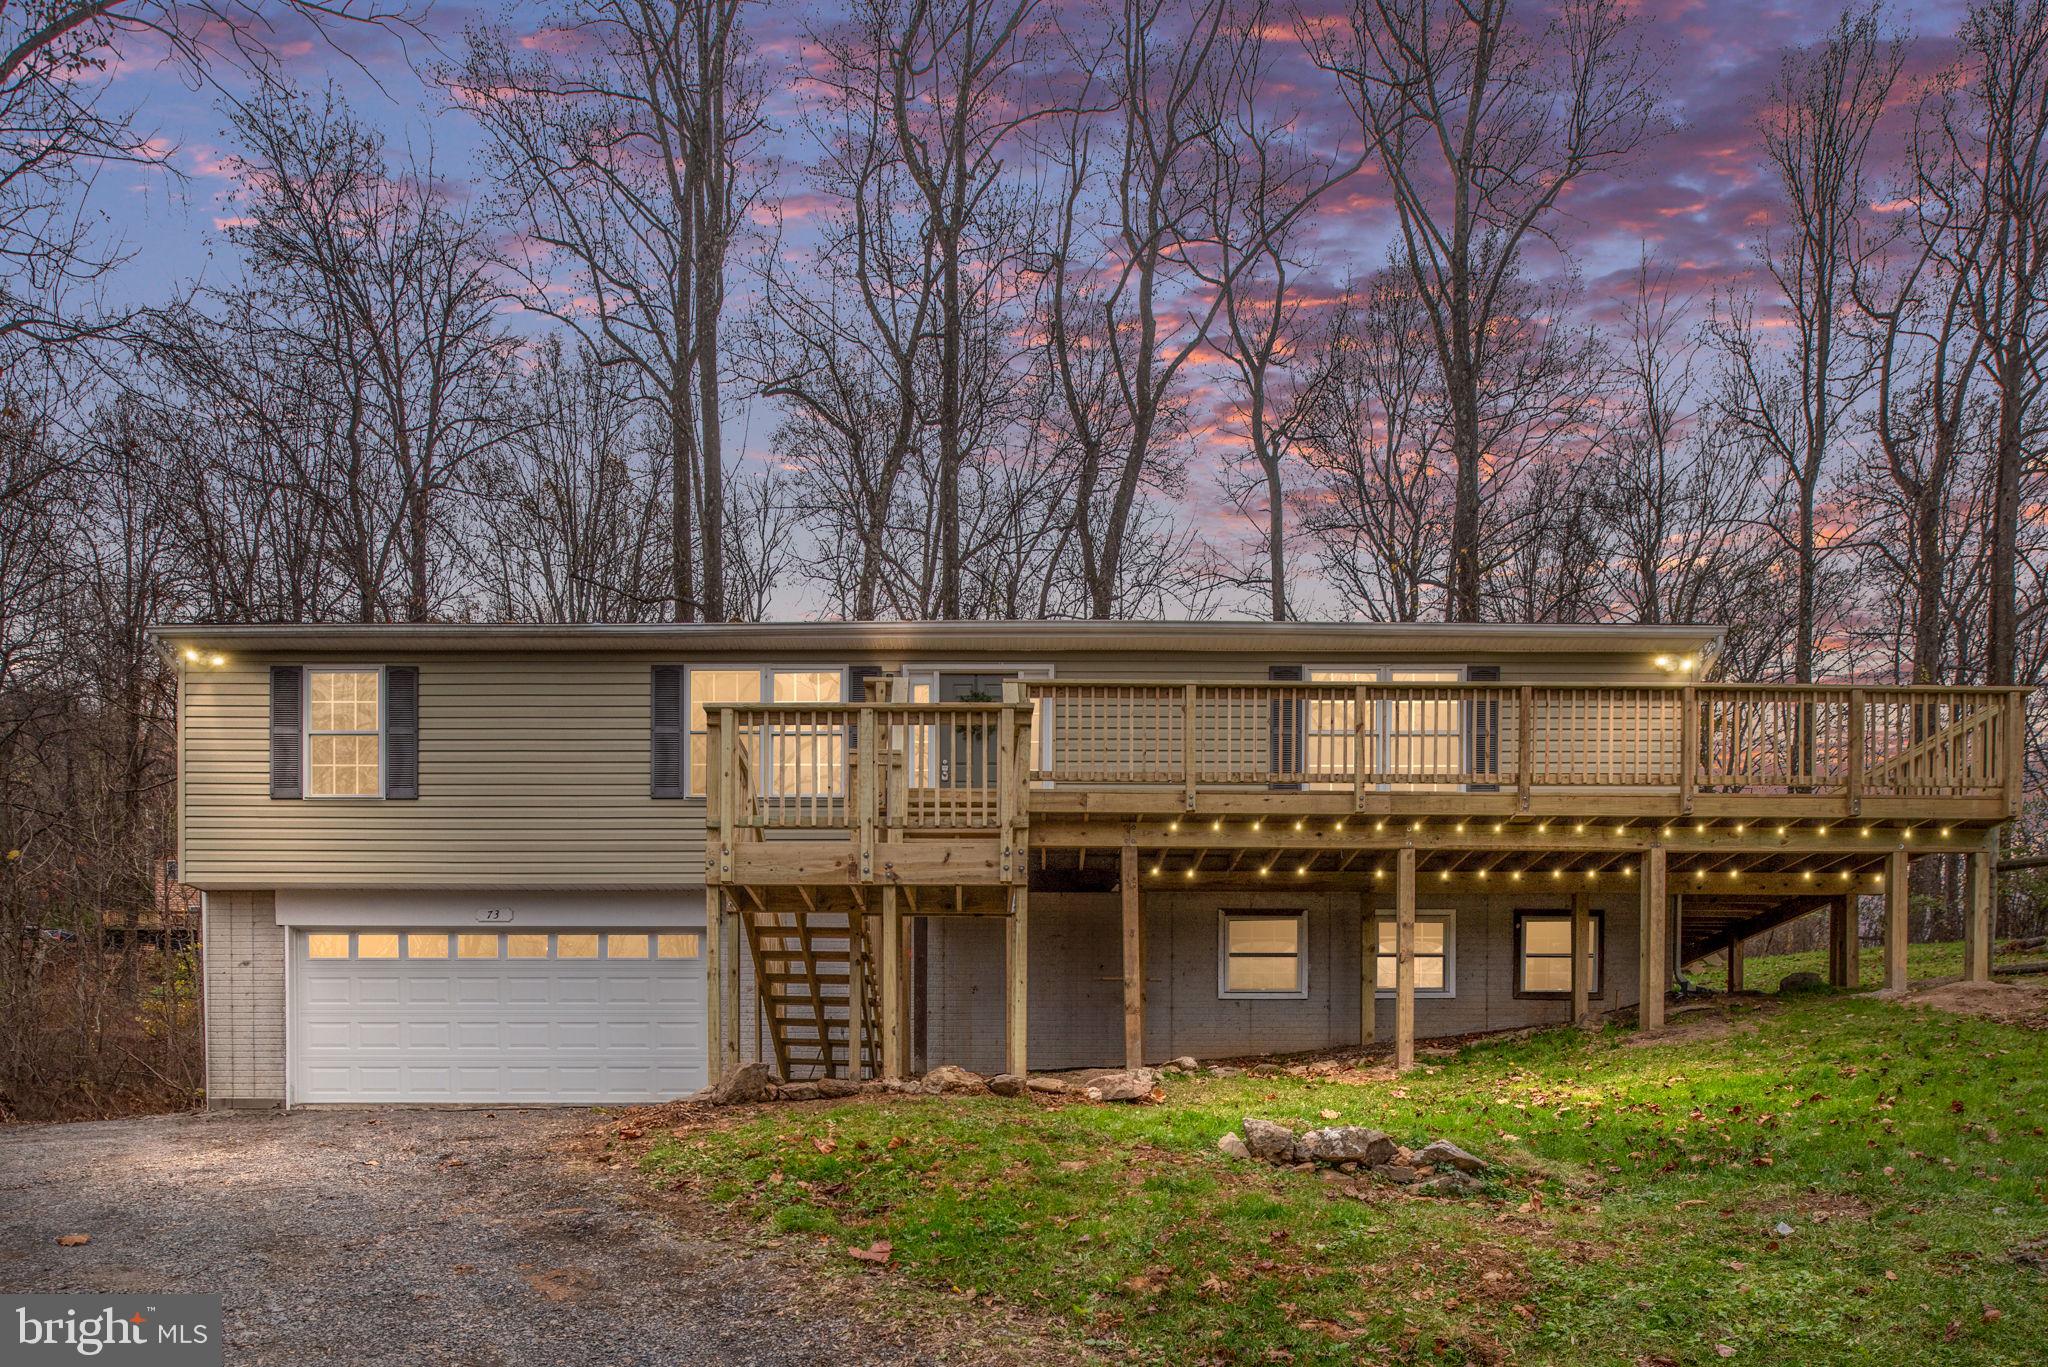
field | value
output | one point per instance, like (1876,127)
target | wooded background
(1047,278)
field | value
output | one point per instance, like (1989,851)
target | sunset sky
(1697,199)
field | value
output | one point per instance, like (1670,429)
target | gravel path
(442,1237)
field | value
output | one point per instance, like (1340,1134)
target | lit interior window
(377,946)
(426,946)
(684,945)
(625,946)
(1262,953)
(327,946)
(575,946)
(526,946)
(342,733)
(1432,954)
(476,946)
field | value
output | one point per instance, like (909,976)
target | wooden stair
(812,962)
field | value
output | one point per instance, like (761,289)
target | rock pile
(1438,1168)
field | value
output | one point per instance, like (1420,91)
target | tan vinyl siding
(244,965)
(533,773)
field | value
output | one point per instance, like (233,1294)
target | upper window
(344,732)
(1264,954)
(1410,740)
(1543,954)
(803,759)
(1436,955)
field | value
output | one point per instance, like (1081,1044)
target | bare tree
(365,281)
(1373,435)
(1481,123)
(60,127)
(1263,174)
(625,165)
(1795,402)
(1982,178)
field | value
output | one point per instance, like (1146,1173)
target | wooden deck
(1746,800)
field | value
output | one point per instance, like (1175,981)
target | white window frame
(1387,948)
(766,686)
(306,733)
(1383,726)
(1224,991)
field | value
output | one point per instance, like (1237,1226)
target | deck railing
(967,766)
(1817,740)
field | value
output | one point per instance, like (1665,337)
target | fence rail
(968,766)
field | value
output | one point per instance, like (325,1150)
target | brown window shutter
(287,737)
(666,739)
(857,677)
(1483,731)
(402,733)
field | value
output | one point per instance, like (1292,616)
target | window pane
(526,946)
(426,946)
(376,946)
(811,685)
(1264,975)
(1387,973)
(1547,935)
(625,946)
(682,946)
(1429,974)
(714,687)
(342,700)
(575,946)
(476,946)
(1547,975)
(342,766)
(324,946)
(1264,934)
(1429,937)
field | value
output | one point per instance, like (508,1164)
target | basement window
(1263,954)
(1436,955)
(1543,954)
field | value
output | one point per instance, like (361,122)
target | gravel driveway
(443,1237)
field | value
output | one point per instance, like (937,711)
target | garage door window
(327,946)
(526,946)
(575,946)
(426,946)
(476,946)
(683,946)
(378,946)
(625,946)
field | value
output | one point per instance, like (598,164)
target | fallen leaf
(1328,1114)
(629,1134)
(1993,1316)
(73,1240)
(824,1145)
(1073,1165)
(877,1252)
(1723,1350)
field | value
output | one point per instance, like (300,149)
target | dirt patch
(2007,1003)
(1703,1024)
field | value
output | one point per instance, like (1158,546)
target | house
(462,863)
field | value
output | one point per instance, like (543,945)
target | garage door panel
(497,1030)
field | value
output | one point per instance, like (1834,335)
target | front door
(967,752)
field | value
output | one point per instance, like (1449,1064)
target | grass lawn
(1761,974)
(1635,1220)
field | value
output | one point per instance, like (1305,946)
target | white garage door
(497,1016)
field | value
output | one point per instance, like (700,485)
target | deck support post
(714,980)
(1845,954)
(1017,982)
(1980,916)
(1368,971)
(1651,953)
(729,980)
(1404,958)
(1735,965)
(1582,955)
(1897,904)
(891,967)
(1134,956)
